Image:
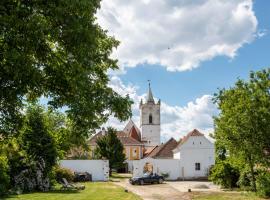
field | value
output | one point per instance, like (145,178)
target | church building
(191,156)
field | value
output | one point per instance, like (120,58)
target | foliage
(37,141)
(245,179)
(242,126)
(32,154)
(165,175)
(263,184)
(4,175)
(56,49)
(224,174)
(61,173)
(111,148)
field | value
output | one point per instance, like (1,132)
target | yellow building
(130,137)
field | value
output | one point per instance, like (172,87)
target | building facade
(190,157)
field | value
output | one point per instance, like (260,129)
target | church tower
(150,120)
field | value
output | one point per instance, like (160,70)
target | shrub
(224,174)
(263,184)
(165,175)
(244,181)
(61,173)
(4,177)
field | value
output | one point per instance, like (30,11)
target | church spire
(150,98)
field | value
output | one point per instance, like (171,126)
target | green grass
(225,196)
(120,176)
(93,191)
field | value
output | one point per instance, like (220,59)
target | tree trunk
(253,181)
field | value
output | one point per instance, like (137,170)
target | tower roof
(150,97)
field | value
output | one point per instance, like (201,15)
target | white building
(196,155)
(189,158)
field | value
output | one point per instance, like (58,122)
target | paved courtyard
(168,190)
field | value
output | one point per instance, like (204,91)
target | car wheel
(141,182)
(160,181)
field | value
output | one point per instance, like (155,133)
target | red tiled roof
(149,150)
(134,134)
(129,141)
(164,150)
(122,136)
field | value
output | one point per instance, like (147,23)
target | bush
(263,184)
(224,174)
(165,175)
(4,177)
(244,181)
(61,173)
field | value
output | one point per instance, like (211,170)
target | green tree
(55,48)
(111,148)
(242,126)
(37,141)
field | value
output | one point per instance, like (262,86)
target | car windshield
(146,175)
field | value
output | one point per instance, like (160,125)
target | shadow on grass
(14,196)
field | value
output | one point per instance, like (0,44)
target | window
(150,119)
(197,166)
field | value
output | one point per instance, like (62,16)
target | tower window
(150,119)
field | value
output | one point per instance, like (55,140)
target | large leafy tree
(111,148)
(56,49)
(242,126)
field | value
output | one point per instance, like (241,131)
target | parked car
(147,178)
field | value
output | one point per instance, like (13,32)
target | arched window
(150,119)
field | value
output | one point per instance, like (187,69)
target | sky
(188,49)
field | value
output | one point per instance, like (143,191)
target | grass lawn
(225,196)
(95,191)
(120,176)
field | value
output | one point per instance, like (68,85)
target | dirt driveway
(172,190)
(155,192)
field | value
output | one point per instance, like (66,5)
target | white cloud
(178,34)
(176,121)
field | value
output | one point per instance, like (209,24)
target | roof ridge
(164,145)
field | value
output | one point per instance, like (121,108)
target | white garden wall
(98,168)
(170,166)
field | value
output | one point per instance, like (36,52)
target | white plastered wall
(98,168)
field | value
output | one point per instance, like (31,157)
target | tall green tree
(111,148)
(56,49)
(242,126)
(36,139)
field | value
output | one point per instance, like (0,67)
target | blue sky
(188,49)
(178,88)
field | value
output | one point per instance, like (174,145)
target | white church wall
(98,168)
(151,134)
(150,131)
